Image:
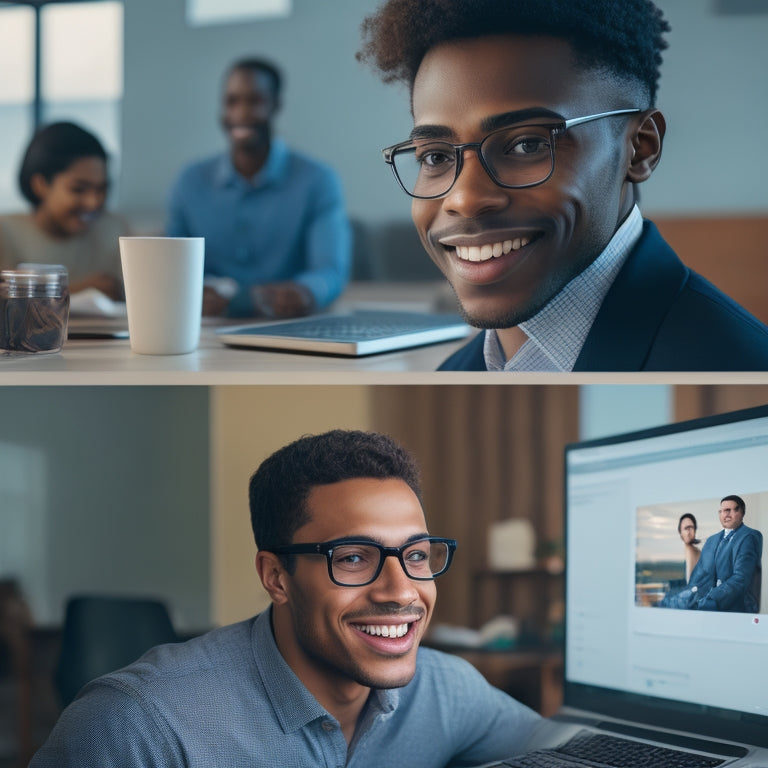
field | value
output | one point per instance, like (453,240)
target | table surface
(111,361)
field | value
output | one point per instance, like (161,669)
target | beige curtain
(693,401)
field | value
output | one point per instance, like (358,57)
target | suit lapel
(626,325)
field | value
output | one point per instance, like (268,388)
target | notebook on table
(355,333)
(645,684)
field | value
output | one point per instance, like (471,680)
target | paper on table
(93,303)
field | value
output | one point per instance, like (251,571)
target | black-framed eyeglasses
(515,157)
(358,562)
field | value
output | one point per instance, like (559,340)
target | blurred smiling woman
(63,175)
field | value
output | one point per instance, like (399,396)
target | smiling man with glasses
(534,124)
(331,674)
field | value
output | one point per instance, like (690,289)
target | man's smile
(397,639)
(487,246)
(486,257)
(383,630)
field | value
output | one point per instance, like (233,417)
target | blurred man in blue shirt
(277,239)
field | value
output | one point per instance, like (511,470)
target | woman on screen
(686,527)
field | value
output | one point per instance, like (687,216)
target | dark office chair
(102,634)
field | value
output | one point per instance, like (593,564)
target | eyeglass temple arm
(579,120)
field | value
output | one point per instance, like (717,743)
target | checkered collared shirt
(557,332)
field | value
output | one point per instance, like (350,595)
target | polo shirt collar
(273,171)
(295,707)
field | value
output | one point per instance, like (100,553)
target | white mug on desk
(163,279)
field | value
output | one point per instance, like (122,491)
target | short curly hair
(623,37)
(280,486)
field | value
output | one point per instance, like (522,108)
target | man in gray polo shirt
(332,673)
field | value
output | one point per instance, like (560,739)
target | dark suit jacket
(733,562)
(658,316)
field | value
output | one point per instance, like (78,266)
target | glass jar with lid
(34,308)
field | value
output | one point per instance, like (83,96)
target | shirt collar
(294,706)
(728,532)
(274,169)
(558,331)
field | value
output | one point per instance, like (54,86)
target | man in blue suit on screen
(727,576)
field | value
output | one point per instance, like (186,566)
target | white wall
(247,425)
(712,90)
(610,409)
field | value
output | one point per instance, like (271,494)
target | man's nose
(393,584)
(474,192)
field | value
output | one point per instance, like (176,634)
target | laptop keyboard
(363,326)
(601,751)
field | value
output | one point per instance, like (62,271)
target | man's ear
(274,577)
(647,141)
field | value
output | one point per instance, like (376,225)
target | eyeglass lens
(354,564)
(518,156)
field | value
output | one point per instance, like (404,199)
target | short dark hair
(53,149)
(253,64)
(623,37)
(279,488)
(738,501)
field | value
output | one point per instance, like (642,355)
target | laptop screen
(637,645)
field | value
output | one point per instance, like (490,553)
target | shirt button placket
(335,748)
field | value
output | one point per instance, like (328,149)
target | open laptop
(647,685)
(354,333)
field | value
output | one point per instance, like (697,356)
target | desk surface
(111,362)
(99,362)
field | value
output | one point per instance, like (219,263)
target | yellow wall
(248,424)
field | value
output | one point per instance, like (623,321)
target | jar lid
(29,273)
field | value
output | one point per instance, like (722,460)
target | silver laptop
(645,684)
(355,333)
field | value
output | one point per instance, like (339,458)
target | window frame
(37,6)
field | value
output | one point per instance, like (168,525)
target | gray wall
(106,490)
(713,93)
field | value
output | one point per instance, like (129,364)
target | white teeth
(393,630)
(490,250)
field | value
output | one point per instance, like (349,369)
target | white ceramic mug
(163,279)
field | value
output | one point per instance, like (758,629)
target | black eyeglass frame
(555,129)
(326,548)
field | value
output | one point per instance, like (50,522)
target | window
(79,77)
(17,93)
(200,12)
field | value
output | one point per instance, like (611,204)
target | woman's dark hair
(621,37)
(53,149)
(280,486)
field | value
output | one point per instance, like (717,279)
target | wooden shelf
(533,677)
(533,596)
